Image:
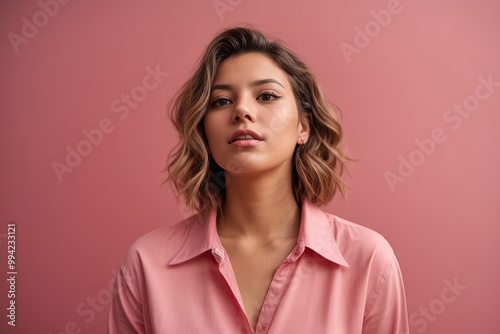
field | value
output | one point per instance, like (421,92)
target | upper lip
(244,132)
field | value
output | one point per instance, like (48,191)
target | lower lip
(246,143)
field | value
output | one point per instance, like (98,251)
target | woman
(260,150)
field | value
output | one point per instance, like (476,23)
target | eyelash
(271,93)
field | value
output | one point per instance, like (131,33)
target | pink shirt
(340,278)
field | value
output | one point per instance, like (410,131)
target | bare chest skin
(254,266)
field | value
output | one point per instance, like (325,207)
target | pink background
(71,233)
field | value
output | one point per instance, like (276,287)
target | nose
(243,110)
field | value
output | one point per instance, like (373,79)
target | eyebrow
(253,84)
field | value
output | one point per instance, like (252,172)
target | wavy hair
(317,165)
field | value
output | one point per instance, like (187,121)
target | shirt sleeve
(125,311)
(387,312)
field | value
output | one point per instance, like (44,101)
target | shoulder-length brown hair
(317,165)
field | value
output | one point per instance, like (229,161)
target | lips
(244,134)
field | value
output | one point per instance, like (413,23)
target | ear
(303,130)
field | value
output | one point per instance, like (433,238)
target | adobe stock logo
(223,6)
(89,309)
(119,106)
(363,37)
(30,28)
(437,306)
(452,117)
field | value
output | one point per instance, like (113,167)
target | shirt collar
(316,233)
(201,237)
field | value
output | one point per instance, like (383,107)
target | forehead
(248,67)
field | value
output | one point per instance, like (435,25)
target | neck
(260,207)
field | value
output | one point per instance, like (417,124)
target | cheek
(281,124)
(214,135)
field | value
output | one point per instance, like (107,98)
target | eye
(269,96)
(220,102)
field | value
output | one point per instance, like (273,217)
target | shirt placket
(226,271)
(277,288)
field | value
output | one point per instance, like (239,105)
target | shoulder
(369,255)
(361,246)
(161,244)
(374,272)
(350,234)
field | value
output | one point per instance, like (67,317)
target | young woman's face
(252,123)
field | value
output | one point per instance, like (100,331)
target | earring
(302,139)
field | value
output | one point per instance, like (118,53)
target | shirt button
(263,327)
